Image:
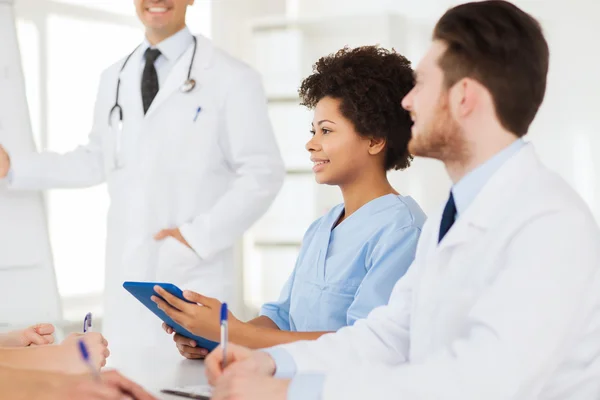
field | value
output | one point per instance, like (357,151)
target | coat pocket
(176,261)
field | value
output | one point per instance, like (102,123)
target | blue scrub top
(342,274)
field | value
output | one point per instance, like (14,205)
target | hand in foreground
(40,334)
(238,358)
(113,386)
(97,347)
(242,384)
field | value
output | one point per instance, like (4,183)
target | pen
(86,358)
(87,323)
(197,113)
(224,334)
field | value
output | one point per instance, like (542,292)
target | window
(65,45)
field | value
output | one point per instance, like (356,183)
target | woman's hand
(202,317)
(187,347)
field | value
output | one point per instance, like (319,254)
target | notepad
(200,392)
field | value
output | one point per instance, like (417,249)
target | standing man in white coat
(182,137)
(503,299)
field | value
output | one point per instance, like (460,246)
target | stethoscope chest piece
(188,86)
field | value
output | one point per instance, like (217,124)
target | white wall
(231,19)
(566,129)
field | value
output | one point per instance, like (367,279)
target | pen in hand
(85,355)
(87,323)
(224,334)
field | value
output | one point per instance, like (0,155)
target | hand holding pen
(70,350)
(100,351)
(224,334)
(85,355)
(67,355)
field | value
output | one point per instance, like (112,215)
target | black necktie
(448,217)
(149,78)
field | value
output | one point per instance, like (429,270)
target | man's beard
(441,139)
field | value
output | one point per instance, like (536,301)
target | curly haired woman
(350,258)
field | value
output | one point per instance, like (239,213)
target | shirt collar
(174,46)
(465,190)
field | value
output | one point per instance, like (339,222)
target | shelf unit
(284,50)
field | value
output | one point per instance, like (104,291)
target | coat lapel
(489,207)
(178,75)
(130,93)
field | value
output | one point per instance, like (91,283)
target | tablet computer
(144,290)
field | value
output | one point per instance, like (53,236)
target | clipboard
(185,394)
(200,392)
(144,290)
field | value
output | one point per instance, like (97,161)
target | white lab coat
(212,178)
(507,306)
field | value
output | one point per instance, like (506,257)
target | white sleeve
(382,337)
(82,167)
(254,156)
(517,333)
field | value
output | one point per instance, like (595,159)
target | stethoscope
(186,87)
